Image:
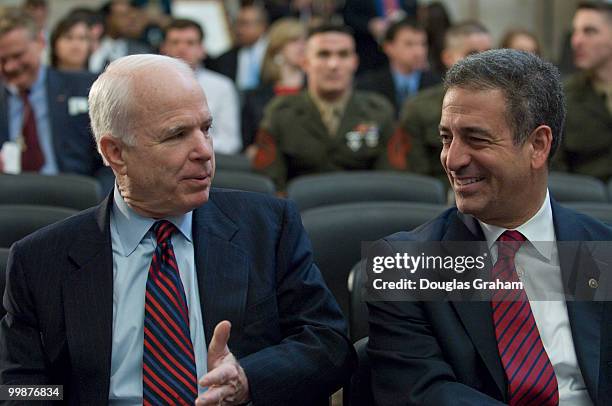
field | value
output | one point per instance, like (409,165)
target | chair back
(336,233)
(363,186)
(71,191)
(17,221)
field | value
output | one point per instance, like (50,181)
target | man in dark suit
(53,102)
(502,120)
(405,44)
(243,62)
(119,303)
(370,19)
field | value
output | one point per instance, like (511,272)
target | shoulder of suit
(238,203)
(433,230)
(576,83)
(72,77)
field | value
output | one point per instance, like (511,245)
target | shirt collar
(539,228)
(132,227)
(38,84)
(403,79)
(324,105)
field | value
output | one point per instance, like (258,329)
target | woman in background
(281,73)
(521,40)
(70,44)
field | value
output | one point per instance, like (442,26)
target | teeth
(464,182)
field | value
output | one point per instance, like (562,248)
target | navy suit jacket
(381,81)
(445,353)
(254,268)
(226,63)
(73,143)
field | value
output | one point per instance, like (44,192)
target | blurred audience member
(420,116)
(242,63)
(405,45)
(436,21)
(281,73)
(184,39)
(587,144)
(521,40)
(370,20)
(310,12)
(328,127)
(124,24)
(70,44)
(43,109)
(39,11)
(95,21)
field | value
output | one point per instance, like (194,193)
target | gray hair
(532,89)
(110,98)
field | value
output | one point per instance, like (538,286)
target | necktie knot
(163,230)
(511,242)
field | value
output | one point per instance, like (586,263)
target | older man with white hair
(132,301)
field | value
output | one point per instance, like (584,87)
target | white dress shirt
(133,246)
(537,264)
(223,103)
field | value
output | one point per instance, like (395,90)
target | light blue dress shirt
(38,100)
(406,85)
(133,246)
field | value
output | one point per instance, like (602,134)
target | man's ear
(540,140)
(112,150)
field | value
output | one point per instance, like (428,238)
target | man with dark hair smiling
(502,120)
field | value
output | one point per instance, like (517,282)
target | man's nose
(457,155)
(202,147)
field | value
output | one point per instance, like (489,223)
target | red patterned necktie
(531,378)
(169,370)
(32,158)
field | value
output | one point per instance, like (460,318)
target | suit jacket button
(593,283)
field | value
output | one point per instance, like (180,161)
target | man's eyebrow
(468,130)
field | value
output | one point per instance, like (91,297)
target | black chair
(251,182)
(362,186)
(3,260)
(571,187)
(601,211)
(70,191)
(17,221)
(358,311)
(337,231)
(359,392)
(236,162)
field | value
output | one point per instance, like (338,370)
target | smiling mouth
(468,181)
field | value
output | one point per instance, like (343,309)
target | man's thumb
(218,343)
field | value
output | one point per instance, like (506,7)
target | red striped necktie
(169,370)
(531,378)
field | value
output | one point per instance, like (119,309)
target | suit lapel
(585,316)
(477,316)
(222,269)
(4,124)
(57,98)
(88,307)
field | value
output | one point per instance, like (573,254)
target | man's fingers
(218,343)
(215,395)
(220,376)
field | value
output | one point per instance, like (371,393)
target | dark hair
(531,86)
(330,27)
(182,24)
(601,6)
(61,28)
(397,26)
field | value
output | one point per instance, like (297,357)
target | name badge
(77,105)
